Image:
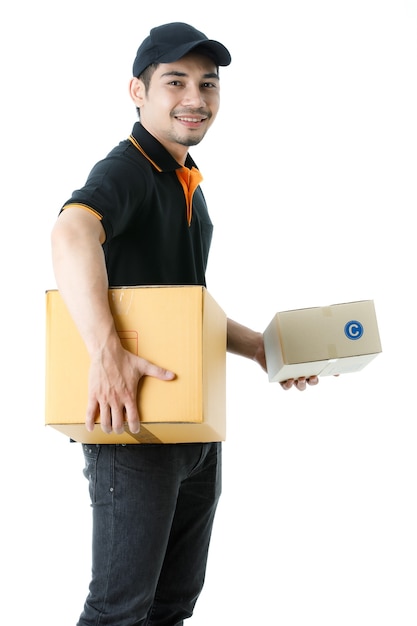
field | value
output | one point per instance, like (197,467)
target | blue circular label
(353,330)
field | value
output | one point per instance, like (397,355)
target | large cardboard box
(180,328)
(321,341)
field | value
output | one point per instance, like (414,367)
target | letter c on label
(353,330)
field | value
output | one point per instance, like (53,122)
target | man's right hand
(114,377)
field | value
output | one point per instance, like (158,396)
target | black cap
(171,42)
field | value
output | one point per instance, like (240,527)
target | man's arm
(250,344)
(81,276)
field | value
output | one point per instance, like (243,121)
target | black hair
(145,77)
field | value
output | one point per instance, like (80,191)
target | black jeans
(153,510)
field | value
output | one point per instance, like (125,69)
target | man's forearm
(81,276)
(242,340)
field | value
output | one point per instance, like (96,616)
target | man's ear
(137,91)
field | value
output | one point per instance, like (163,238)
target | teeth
(189,119)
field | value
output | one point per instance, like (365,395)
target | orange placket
(189,179)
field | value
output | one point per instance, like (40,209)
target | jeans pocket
(91,452)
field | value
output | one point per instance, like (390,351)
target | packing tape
(145,436)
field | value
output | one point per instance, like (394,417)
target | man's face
(181,103)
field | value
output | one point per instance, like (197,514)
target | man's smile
(191,120)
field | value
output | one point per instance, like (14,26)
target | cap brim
(216,50)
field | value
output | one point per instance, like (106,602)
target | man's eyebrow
(182,74)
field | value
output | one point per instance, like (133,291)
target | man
(141,219)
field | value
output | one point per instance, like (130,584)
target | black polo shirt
(138,194)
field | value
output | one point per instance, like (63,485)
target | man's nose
(193,96)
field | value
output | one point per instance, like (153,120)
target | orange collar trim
(189,179)
(139,147)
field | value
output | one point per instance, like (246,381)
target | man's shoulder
(123,160)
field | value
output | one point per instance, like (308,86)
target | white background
(310,176)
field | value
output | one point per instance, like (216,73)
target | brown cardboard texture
(180,328)
(323,341)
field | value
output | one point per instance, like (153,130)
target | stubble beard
(190,141)
(193,138)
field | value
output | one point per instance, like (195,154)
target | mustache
(198,112)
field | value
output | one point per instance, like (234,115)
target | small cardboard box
(180,328)
(321,341)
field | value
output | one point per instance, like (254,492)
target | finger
(117,420)
(287,384)
(301,384)
(105,418)
(150,369)
(91,415)
(313,380)
(132,417)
